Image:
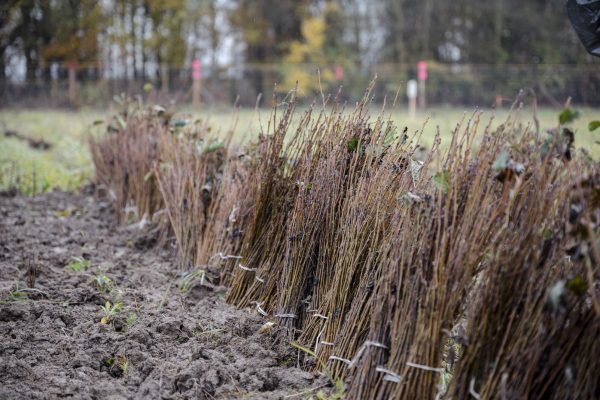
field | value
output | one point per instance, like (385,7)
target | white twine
(318,340)
(231,217)
(366,344)
(472,391)
(390,375)
(143,222)
(286,316)
(159,213)
(344,360)
(225,256)
(261,280)
(320,316)
(246,268)
(259,308)
(413,197)
(425,367)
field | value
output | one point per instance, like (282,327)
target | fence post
(164,75)
(72,67)
(196,76)
(411,92)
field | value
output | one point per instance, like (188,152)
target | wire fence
(469,85)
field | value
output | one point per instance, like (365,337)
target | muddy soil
(160,341)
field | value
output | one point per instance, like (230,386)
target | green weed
(118,364)
(103,283)
(110,311)
(192,279)
(79,264)
(131,319)
(15,295)
(338,393)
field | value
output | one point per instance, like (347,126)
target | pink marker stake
(339,73)
(196,73)
(422,75)
(422,70)
(196,76)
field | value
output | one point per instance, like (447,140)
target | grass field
(67,164)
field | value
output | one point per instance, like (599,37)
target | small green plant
(119,365)
(78,264)
(131,319)
(102,282)
(110,311)
(192,279)
(338,393)
(577,285)
(124,365)
(182,339)
(17,294)
(131,214)
(67,212)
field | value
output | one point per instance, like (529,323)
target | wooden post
(164,75)
(411,93)
(422,74)
(72,66)
(197,85)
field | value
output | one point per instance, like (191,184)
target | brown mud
(164,343)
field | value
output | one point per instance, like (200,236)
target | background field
(67,164)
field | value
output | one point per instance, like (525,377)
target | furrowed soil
(165,342)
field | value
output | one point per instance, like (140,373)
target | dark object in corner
(585,18)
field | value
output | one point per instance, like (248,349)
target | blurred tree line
(135,38)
